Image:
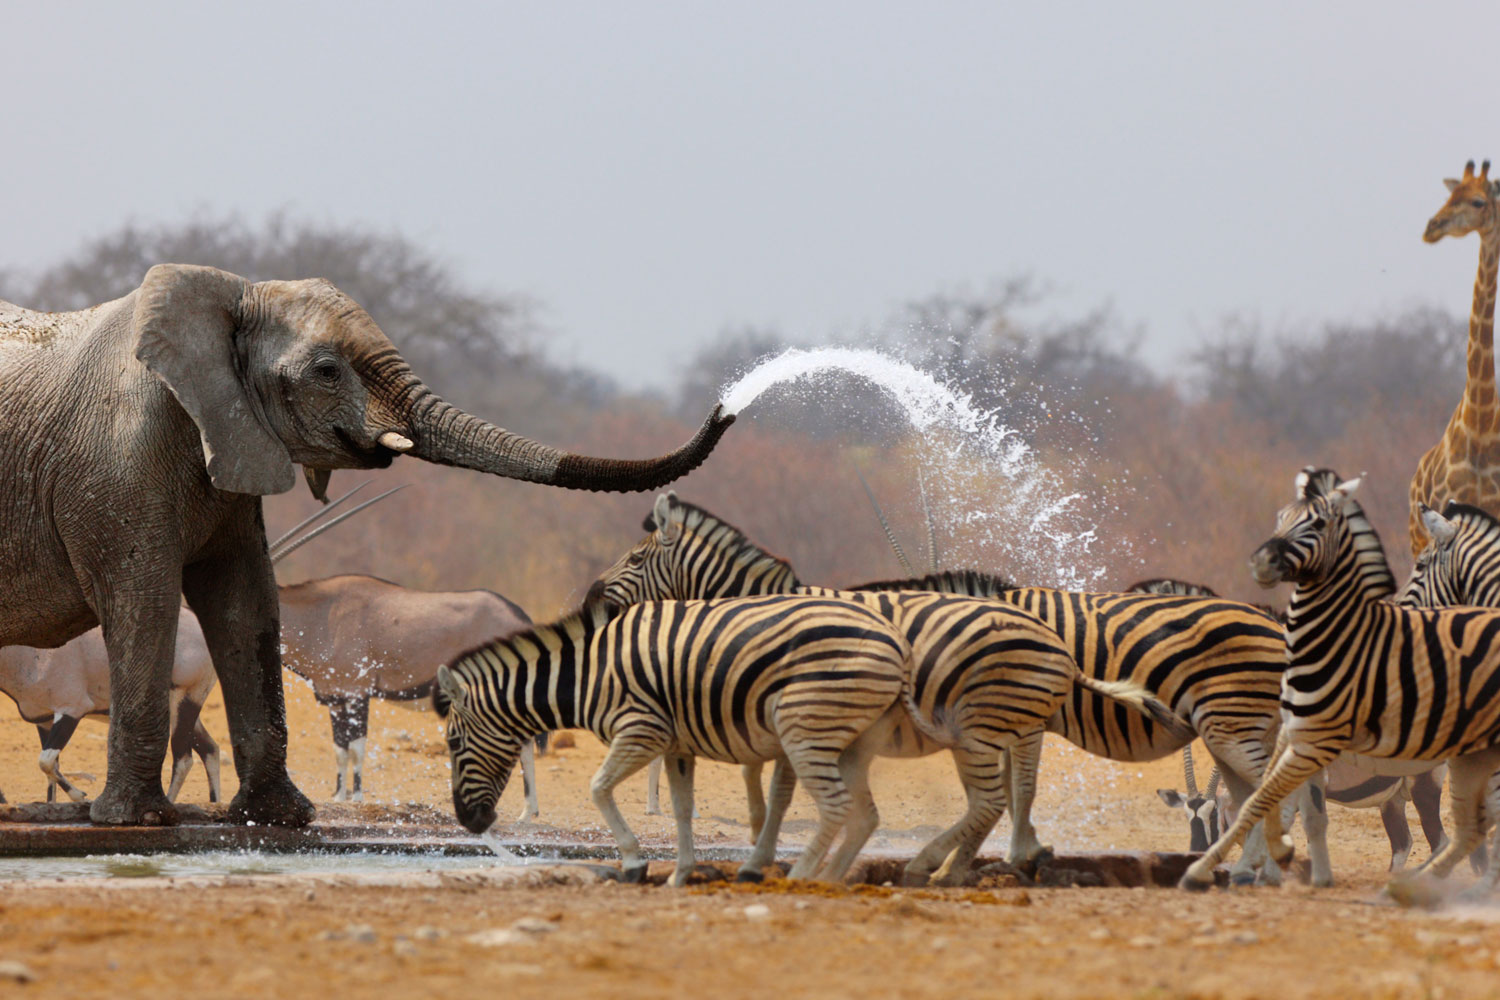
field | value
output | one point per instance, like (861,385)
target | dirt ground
(557,932)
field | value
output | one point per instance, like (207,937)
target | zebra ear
(449,692)
(668,514)
(1439,527)
(1349,487)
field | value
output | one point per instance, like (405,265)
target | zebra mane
(973,582)
(582,620)
(1374,568)
(1467,513)
(735,544)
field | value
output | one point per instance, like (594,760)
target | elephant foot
(117,806)
(272,803)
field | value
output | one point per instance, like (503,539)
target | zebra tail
(1142,700)
(941,735)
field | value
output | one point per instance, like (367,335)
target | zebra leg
(755,796)
(1021,761)
(783,783)
(183,724)
(1294,766)
(1253,855)
(53,742)
(653,789)
(529,810)
(629,751)
(1314,809)
(1468,778)
(208,752)
(1397,830)
(983,773)
(863,817)
(1485,887)
(817,767)
(680,784)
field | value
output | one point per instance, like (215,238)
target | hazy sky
(653,173)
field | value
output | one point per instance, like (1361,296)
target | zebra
(1460,565)
(1368,675)
(815,681)
(1351,781)
(1216,663)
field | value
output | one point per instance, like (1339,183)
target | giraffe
(1465,464)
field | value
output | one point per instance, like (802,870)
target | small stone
(534,925)
(362,933)
(12,971)
(1100,934)
(428,933)
(1144,941)
(404,948)
(801,904)
(1245,937)
(498,937)
(309,895)
(757,911)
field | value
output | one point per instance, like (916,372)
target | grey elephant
(136,441)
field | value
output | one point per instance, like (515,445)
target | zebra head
(688,554)
(480,752)
(1460,563)
(652,570)
(1309,532)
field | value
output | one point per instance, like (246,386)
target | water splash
(1004,508)
(506,855)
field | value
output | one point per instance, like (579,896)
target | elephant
(137,441)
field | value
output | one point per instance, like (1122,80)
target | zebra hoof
(634,875)
(745,875)
(1191,884)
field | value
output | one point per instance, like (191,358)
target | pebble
(362,933)
(16,972)
(1145,941)
(757,911)
(534,925)
(428,933)
(404,948)
(1246,937)
(498,937)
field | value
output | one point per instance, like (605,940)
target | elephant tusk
(396,442)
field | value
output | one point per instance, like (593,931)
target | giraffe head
(1471,205)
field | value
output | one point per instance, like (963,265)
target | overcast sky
(653,173)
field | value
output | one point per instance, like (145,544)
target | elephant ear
(186,318)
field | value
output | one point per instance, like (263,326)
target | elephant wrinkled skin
(136,440)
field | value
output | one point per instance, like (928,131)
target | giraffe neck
(1481,416)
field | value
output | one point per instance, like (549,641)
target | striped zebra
(1352,781)
(1367,675)
(1215,663)
(816,682)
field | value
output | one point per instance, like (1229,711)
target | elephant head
(281,372)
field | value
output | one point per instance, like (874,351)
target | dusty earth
(559,932)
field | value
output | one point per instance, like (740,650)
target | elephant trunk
(432,429)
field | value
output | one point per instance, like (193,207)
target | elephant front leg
(140,633)
(232,591)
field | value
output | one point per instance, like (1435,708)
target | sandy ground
(543,931)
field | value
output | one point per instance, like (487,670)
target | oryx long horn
(886,525)
(279,554)
(932,551)
(1213,782)
(1188,773)
(320,512)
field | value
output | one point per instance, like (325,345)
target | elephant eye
(326,371)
